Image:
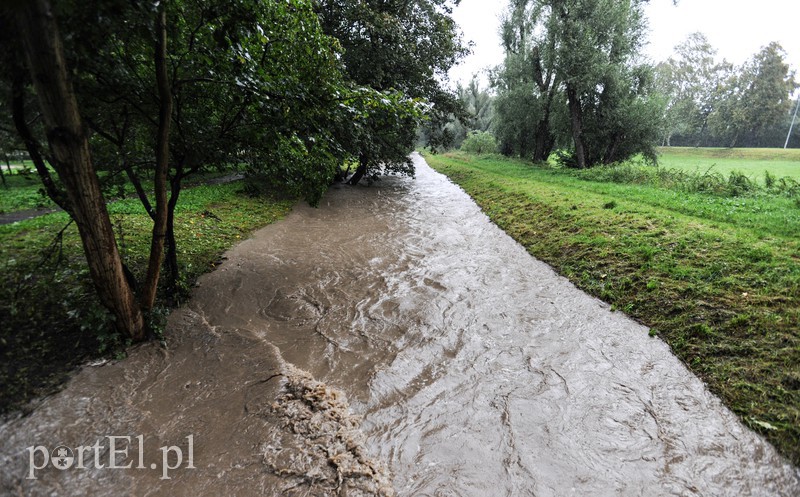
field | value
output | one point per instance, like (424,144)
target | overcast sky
(736,28)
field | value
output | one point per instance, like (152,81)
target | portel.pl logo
(116,457)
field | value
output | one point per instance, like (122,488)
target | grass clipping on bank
(718,278)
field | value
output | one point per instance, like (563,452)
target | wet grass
(717,277)
(22,191)
(752,162)
(51,322)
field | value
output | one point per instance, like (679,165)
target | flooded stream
(391,342)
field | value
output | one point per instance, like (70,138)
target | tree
(168,89)
(478,104)
(757,100)
(402,50)
(69,144)
(577,58)
(528,83)
(609,95)
(476,113)
(691,82)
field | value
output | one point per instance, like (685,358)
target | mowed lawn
(751,162)
(717,277)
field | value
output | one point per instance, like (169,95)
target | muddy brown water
(393,341)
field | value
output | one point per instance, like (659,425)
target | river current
(391,342)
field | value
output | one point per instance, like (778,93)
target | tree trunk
(544,140)
(611,151)
(72,161)
(173,271)
(137,185)
(576,121)
(361,170)
(32,145)
(3,176)
(148,296)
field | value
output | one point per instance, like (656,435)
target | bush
(736,184)
(480,142)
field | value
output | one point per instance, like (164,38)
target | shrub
(480,142)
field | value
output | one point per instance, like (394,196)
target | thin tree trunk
(32,145)
(611,151)
(576,120)
(3,176)
(544,140)
(361,170)
(137,185)
(72,161)
(148,296)
(173,271)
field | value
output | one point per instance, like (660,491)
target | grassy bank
(22,191)
(50,320)
(751,162)
(717,277)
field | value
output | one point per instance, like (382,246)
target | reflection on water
(395,337)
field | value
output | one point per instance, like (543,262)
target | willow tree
(528,84)
(579,59)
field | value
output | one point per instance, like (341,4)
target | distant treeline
(573,82)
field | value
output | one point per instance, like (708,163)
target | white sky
(736,28)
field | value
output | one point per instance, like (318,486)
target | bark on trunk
(576,121)
(544,141)
(148,296)
(72,160)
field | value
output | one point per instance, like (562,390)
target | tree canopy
(572,77)
(403,50)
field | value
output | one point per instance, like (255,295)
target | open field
(48,332)
(25,191)
(750,161)
(717,277)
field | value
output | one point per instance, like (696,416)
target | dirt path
(471,369)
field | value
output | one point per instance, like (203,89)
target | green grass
(751,162)
(717,277)
(25,191)
(47,333)
(22,192)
